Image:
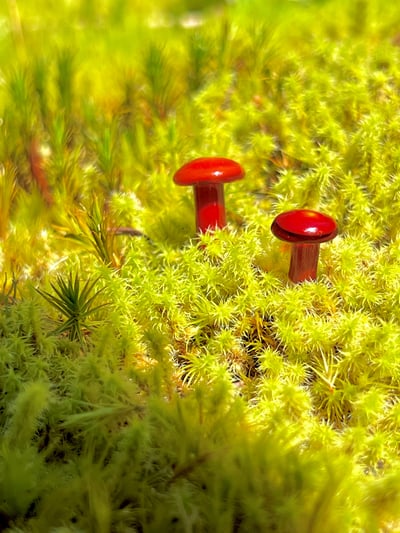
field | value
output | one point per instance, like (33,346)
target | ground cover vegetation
(152,380)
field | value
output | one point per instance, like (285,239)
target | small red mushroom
(305,229)
(208,175)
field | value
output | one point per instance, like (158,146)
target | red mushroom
(208,175)
(305,229)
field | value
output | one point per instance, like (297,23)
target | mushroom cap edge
(304,226)
(205,170)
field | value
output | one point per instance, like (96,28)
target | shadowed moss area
(152,380)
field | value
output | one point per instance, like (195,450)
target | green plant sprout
(157,380)
(74,302)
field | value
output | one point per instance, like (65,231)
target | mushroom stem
(210,206)
(304,262)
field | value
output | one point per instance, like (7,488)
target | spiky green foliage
(152,380)
(75,302)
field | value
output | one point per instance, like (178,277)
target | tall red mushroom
(305,229)
(207,175)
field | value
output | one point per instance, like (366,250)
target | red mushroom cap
(209,170)
(304,226)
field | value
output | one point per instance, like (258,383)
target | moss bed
(154,380)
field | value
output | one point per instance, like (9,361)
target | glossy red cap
(304,226)
(209,170)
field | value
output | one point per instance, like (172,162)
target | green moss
(155,380)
